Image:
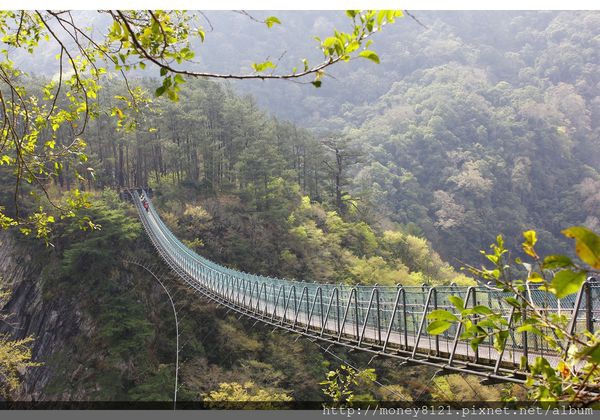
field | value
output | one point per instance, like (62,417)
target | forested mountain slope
(478,123)
(503,141)
(250,191)
(464,159)
(474,123)
(103,330)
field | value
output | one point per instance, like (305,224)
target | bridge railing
(385,318)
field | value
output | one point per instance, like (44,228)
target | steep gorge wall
(52,321)
(96,333)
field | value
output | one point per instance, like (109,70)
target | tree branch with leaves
(42,128)
(576,376)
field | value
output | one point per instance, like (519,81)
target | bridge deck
(386,321)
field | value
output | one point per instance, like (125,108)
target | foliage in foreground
(342,384)
(248,395)
(576,377)
(15,357)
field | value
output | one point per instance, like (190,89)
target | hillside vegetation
(478,123)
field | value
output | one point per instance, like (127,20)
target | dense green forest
(478,123)
(503,141)
(474,123)
(391,174)
(237,183)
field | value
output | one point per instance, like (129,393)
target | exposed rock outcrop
(51,321)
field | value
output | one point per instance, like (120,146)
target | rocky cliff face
(51,321)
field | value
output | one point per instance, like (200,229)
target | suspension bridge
(381,320)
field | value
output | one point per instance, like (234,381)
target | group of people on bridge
(144,201)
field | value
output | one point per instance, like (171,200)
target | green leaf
(272,20)
(438,327)
(380,16)
(259,67)
(179,79)
(316,83)
(500,340)
(442,315)
(524,362)
(457,302)
(172,95)
(567,282)
(482,310)
(593,352)
(552,262)
(370,55)
(530,237)
(513,302)
(530,241)
(529,328)
(160,91)
(535,277)
(587,244)
(486,323)
(476,342)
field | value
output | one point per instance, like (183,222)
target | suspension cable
(176,327)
